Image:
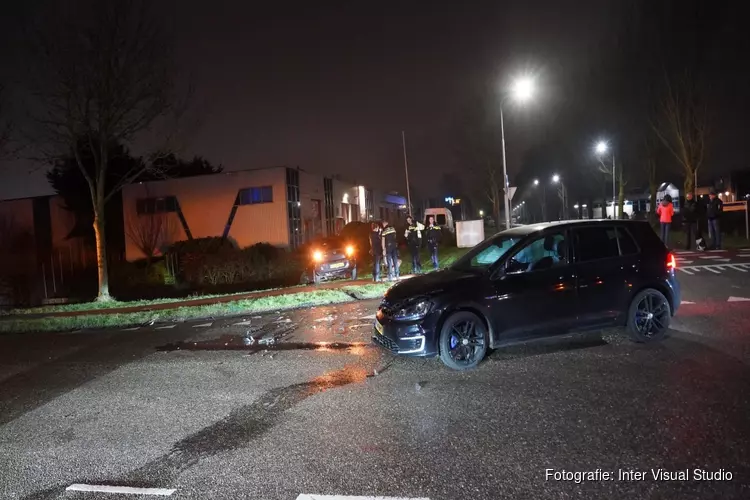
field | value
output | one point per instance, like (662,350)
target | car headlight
(349,251)
(413,311)
(317,256)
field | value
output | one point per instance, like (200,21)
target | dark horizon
(331,89)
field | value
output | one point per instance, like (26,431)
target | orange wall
(206,203)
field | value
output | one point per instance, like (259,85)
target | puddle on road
(239,343)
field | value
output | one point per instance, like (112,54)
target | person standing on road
(665,211)
(434,235)
(690,221)
(390,250)
(413,235)
(376,250)
(713,213)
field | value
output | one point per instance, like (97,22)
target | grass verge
(369,291)
(116,304)
(238,307)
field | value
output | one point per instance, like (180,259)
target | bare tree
(4,127)
(149,232)
(106,74)
(682,125)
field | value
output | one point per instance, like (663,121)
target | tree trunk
(689,184)
(101,253)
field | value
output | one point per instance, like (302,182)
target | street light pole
(406,170)
(614,200)
(505,171)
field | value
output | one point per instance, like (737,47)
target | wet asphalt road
(224,420)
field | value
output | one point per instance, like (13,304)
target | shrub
(261,262)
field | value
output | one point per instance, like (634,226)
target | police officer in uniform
(434,235)
(376,250)
(413,235)
(390,249)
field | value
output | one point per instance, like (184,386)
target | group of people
(384,245)
(692,213)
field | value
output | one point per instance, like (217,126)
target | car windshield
(486,253)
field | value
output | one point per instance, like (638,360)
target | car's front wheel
(354,273)
(649,316)
(463,341)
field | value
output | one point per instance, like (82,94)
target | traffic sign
(511,192)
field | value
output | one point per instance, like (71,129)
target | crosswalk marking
(123,490)
(738,299)
(710,257)
(714,251)
(684,302)
(342,497)
(715,268)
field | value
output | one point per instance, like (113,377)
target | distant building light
(346,198)
(726,193)
(299,203)
(584,206)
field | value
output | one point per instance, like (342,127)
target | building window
(294,212)
(150,206)
(329,207)
(255,195)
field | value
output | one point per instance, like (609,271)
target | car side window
(545,252)
(627,244)
(596,243)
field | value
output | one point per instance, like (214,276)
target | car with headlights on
(329,259)
(532,282)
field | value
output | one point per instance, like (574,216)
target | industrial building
(283,206)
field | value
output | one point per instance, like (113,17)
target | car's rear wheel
(649,316)
(463,341)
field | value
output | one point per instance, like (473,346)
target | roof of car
(541,226)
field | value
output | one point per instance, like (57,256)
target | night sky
(330,88)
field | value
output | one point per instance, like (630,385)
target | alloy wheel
(466,341)
(651,315)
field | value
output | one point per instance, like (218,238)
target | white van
(443,218)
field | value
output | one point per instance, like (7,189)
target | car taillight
(671,261)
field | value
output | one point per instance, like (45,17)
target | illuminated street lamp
(522,90)
(536,182)
(556,178)
(481,213)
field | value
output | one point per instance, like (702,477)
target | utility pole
(406,170)
(614,199)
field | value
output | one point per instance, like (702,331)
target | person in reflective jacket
(413,235)
(376,250)
(390,250)
(434,235)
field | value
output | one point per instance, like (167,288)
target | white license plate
(378,327)
(337,265)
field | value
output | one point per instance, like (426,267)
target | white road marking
(371,316)
(708,268)
(710,257)
(738,299)
(717,251)
(123,490)
(305,496)
(684,302)
(737,268)
(130,329)
(685,261)
(684,252)
(685,271)
(747,256)
(166,327)
(203,325)
(248,322)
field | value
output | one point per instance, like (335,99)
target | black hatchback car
(530,282)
